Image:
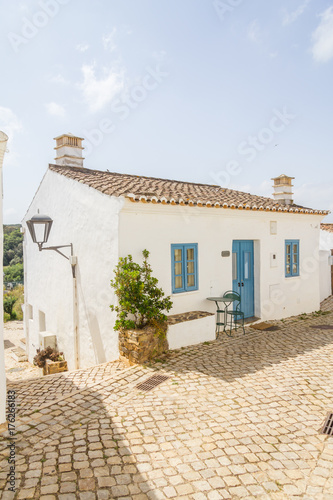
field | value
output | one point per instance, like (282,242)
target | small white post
(73,262)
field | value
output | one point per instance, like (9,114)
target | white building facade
(326,260)
(202,240)
(3,145)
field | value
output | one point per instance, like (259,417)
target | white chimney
(69,150)
(283,189)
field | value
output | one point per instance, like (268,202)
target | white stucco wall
(326,245)
(156,227)
(88,219)
(191,332)
(2,350)
(3,395)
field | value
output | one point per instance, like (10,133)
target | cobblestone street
(238,418)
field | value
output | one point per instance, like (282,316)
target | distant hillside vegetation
(12,253)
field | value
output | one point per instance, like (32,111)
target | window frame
(292,243)
(184,247)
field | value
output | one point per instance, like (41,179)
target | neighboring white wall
(326,245)
(325,274)
(3,144)
(156,227)
(88,219)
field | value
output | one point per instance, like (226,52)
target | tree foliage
(8,304)
(13,273)
(140,301)
(18,298)
(12,246)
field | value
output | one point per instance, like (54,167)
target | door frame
(253,269)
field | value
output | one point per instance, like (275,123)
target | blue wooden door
(242,274)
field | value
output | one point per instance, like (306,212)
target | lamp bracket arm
(56,249)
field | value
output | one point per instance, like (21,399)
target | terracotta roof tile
(149,189)
(327,227)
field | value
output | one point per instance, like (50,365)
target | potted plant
(50,361)
(141,322)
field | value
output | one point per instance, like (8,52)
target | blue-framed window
(184,270)
(292,258)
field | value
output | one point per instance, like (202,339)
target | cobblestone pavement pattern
(42,391)
(238,419)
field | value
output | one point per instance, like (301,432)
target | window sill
(181,294)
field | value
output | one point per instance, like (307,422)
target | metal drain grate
(323,327)
(328,425)
(152,382)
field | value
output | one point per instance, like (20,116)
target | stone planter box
(140,346)
(54,367)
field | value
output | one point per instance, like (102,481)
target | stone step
(23,344)
(19,354)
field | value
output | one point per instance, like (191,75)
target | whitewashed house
(203,240)
(326,260)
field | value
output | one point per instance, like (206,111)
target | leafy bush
(13,273)
(140,300)
(8,304)
(48,353)
(18,294)
(12,246)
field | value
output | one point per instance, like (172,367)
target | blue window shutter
(191,275)
(187,268)
(173,264)
(291,258)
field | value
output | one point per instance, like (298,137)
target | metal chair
(221,314)
(236,315)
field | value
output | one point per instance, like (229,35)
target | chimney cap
(282,176)
(68,135)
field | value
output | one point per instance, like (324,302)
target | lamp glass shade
(39,227)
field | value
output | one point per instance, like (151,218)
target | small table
(226,301)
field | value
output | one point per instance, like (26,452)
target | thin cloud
(108,40)
(253,32)
(291,17)
(322,37)
(315,195)
(159,55)
(55,109)
(82,47)
(98,92)
(58,79)
(9,122)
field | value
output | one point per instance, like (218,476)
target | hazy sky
(229,92)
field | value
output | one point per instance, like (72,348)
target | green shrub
(140,300)
(12,301)
(13,273)
(8,304)
(12,246)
